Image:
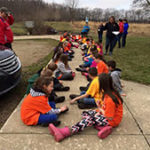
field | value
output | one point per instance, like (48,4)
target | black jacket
(110,27)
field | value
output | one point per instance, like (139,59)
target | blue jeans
(48,118)
(88,100)
(110,42)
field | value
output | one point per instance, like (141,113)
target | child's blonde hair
(47,72)
(52,66)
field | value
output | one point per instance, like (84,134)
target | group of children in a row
(103,90)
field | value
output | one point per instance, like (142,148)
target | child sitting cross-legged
(88,98)
(46,72)
(63,71)
(36,109)
(103,119)
(101,64)
(58,85)
(115,74)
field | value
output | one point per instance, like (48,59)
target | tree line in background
(39,10)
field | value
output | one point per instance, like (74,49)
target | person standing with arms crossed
(6,34)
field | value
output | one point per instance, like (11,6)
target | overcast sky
(118,4)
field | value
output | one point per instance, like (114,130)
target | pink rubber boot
(98,127)
(104,132)
(59,133)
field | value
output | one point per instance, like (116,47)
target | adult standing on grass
(112,30)
(6,34)
(125,32)
(100,32)
(121,27)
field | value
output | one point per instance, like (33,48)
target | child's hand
(122,85)
(60,82)
(98,103)
(72,101)
(123,94)
(87,69)
(63,108)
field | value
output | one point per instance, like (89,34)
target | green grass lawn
(19,29)
(134,59)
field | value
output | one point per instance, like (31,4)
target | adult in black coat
(112,29)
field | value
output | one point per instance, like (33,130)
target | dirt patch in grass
(31,51)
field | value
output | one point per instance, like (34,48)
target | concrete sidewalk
(29,37)
(133,133)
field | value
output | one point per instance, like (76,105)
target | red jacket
(8,32)
(121,27)
(2,31)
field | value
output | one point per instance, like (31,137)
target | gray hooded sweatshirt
(116,74)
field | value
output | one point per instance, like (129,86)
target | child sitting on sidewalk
(58,85)
(101,64)
(63,71)
(88,100)
(92,91)
(35,109)
(103,119)
(115,74)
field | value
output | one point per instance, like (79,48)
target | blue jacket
(126,26)
(86,29)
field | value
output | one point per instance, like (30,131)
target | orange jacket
(32,107)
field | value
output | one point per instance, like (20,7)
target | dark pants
(124,36)
(90,118)
(110,43)
(67,76)
(100,37)
(118,39)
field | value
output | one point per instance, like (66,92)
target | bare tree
(72,5)
(143,3)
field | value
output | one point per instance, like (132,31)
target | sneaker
(62,88)
(72,96)
(82,88)
(66,88)
(104,132)
(110,53)
(60,99)
(81,66)
(55,123)
(64,111)
(79,69)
